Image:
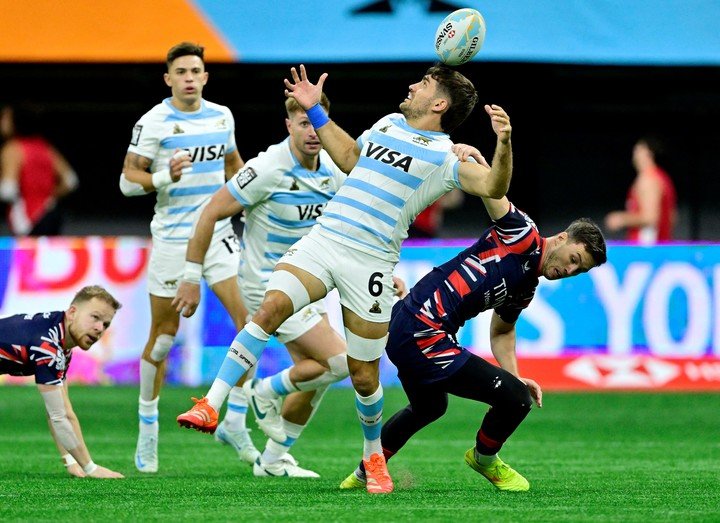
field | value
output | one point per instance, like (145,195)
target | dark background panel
(573,130)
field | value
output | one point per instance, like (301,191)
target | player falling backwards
(397,168)
(499,272)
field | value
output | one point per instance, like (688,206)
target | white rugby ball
(460,36)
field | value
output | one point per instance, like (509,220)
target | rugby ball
(460,36)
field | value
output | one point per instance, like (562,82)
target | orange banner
(104,30)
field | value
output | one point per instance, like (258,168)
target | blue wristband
(317,116)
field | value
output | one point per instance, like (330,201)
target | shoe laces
(199,402)
(376,466)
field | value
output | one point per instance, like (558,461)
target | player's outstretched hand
(306,94)
(535,390)
(105,473)
(500,122)
(401,289)
(464,152)
(187,298)
(75,470)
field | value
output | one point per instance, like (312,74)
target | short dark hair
(586,232)
(656,145)
(460,91)
(185,49)
(95,291)
(291,105)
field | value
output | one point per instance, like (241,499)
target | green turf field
(588,457)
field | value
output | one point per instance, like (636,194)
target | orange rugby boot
(378,478)
(202,417)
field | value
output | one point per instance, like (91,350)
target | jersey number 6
(375,286)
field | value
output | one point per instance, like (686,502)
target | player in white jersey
(282,191)
(397,168)
(184,150)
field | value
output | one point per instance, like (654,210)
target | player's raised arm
(222,205)
(494,182)
(65,429)
(340,145)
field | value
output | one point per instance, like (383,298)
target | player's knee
(289,286)
(365,380)
(517,396)
(338,366)
(161,347)
(274,310)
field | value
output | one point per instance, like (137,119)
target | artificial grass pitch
(588,457)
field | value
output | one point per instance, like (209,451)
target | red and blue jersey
(500,271)
(32,344)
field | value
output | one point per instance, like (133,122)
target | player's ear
(206,75)
(441,105)
(288,124)
(166,77)
(71,312)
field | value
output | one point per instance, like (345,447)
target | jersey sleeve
(50,363)
(255,182)
(517,231)
(450,172)
(145,139)
(510,312)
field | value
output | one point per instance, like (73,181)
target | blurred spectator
(33,175)
(651,205)
(427,224)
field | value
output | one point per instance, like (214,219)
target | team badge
(245,176)
(384,129)
(170,284)
(136,135)
(325,184)
(421,140)
(177,129)
(375,309)
(294,186)
(221,124)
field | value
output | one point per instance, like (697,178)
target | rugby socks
(237,407)
(243,354)
(148,414)
(486,448)
(369,409)
(277,385)
(275,450)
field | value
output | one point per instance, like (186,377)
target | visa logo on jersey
(206,153)
(387,155)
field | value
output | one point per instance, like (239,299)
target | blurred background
(581,80)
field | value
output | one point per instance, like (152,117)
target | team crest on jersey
(177,129)
(325,183)
(384,129)
(244,177)
(135,139)
(421,140)
(294,186)
(375,309)
(220,124)
(170,284)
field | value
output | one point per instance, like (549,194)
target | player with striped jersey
(184,150)
(41,345)
(397,168)
(282,192)
(499,272)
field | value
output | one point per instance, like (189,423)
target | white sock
(217,393)
(275,450)
(148,371)
(237,406)
(369,410)
(148,414)
(484,459)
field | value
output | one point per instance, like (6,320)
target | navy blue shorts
(420,352)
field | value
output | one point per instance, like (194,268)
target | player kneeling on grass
(41,344)
(500,271)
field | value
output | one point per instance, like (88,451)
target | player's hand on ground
(535,390)
(500,122)
(464,152)
(400,286)
(105,473)
(180,164)
(305,93)
(187,298)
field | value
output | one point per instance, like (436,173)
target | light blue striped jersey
(401,170)
(282,202)
(208,135)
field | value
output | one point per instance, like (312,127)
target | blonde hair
(291,105)
(95,291)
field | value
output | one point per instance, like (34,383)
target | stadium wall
(649,319)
